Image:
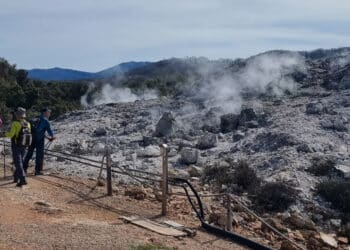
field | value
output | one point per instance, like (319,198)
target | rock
(304,148)
(207,141)
(336,124)
(298,222)
(247,114)
(339,125)
(336,222)
(195,171)
(287,245)
(42,203)
(45,207)
(229,122)
(148,152)
(343,240)
(189,156)
(218,219)
(315,108)
(149,140)
(165,126)
(328,240)
(237,219)
(100,132)
(237,136)
(136,192)
(98,148)
(252,124)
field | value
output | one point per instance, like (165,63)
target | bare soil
(83,217)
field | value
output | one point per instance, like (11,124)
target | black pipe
(239,239)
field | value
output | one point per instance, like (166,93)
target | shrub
(244,176)
(322,166)
(237,176)
(337,192)
(275,197)
(218,175)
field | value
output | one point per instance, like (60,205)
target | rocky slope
(281,136)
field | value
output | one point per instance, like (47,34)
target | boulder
(304,148)
(337,124)
(252,124)
(297,221)
(207,141)
(165,126)
(247,114)
(149,151)
(189,156)
(229,122)
(237,136)
(328,240)
(100,132)
(195,171)
(98,148)
(315,108)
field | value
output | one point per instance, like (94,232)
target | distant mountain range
(62,74)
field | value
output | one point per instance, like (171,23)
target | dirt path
(82,218)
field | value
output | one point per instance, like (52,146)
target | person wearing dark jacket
(39,133)
(18,149)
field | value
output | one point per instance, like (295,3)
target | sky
(92,35)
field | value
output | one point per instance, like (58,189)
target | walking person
(21,138)
(41,126)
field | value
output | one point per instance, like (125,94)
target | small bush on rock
(336,192)
(218,174)
(245,177)
(322,166)
(275,197)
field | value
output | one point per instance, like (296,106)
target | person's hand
(52,138)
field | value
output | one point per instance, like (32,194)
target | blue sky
(92,35)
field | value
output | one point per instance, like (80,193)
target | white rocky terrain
(281,136)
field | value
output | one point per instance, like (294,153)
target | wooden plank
(154,226)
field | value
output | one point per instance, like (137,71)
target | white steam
(111,94)
(265,73)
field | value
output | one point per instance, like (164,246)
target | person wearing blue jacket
(42,127)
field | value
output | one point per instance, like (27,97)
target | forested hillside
(17,90)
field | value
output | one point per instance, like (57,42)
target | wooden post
(109,173)
(4,158)
(229,213)
(164,178)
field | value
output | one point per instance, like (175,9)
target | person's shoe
(21,183)
(15,180)
(39,173)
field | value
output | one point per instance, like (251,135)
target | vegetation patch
(337,192)
(322,166)
(275,197)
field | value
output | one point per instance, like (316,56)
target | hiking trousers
(38,146)
(18,153)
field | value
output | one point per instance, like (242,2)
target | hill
(62,74)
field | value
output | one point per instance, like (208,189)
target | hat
(21,112)
(45,110)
